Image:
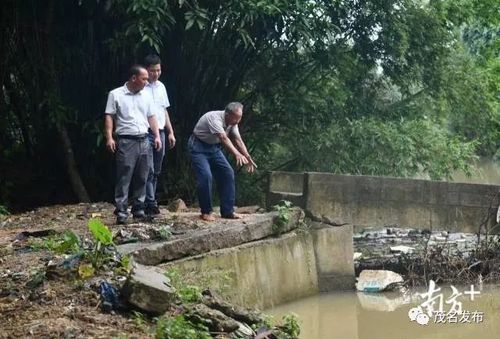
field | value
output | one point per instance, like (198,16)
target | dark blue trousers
(209,162)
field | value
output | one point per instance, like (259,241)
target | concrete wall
(272,271)
(366,201)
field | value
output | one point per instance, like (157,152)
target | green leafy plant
(102,238)
(281,220)
(3,210)
(291,326)
(140,320)
(164,232)
(187,293)
(180,328)
(124,266)
(67,243)
(101,232)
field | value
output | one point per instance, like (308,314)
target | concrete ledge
(260,227)
(369,201)
(262,274)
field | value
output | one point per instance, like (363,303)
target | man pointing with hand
(214,129)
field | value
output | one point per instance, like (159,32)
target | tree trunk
(74,174)
(69,157)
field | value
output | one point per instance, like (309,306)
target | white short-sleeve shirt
(213,123)
(160,101)
(130,110)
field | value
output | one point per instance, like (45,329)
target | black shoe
(121,220)
(139,216)
(152,210)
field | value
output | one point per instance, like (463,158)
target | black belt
(160,130)
(133,137)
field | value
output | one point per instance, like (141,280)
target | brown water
(353,315)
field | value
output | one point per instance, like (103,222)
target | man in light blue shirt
(160,103)
(128,109)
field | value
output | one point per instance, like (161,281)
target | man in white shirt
(128,109)
(160,103)
(214,129)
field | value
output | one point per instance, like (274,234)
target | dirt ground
(66,307)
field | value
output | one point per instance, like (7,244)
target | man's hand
(171,140)
(251,166)
(111,145)
(157,143)
(241,159)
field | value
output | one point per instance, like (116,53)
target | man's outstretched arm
(240,158)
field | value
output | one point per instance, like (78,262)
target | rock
(357,255)
(148,289)
(248,209)
(215,320)
(444,234)
(177,205)
(64,266)
(402,249)
(244,331)
(439,238)
(36,234)
(378,281)
(239,313)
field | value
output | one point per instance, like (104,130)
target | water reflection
(349,315)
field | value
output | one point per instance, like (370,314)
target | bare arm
(169,130)
(240,145)
(153,124)
(108,132)
(240,158)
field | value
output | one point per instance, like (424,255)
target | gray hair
(232,107)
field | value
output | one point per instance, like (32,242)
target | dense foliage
(382,87)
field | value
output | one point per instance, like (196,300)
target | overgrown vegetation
(283,217)
(178,327)
(3,210)
(95,254)
(383,87)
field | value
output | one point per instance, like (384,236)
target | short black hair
(135,70)
(151,59)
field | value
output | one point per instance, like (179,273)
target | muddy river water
(357,315)
(353,315)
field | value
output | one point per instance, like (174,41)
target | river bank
(46,293)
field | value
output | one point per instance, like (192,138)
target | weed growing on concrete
(281,220)
(187,293)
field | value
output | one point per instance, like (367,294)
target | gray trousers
(155,169)
(132,168)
